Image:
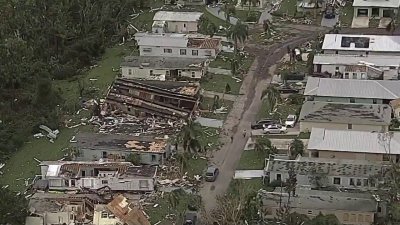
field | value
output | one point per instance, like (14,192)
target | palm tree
(234,65)
(273,97)
(229,9)
(238,33)
(173,200)
(296,148)
(264,146)
(189,137)
(291,183)
(182,159)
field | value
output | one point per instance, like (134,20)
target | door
(362,12)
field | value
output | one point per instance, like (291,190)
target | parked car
(290,121)
(212,173)
(190,218)
(330,12)
(275,129)
(261,124)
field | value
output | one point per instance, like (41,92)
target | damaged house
(163,68)
(117,176)
(178,45)
(175,22)
(57,208)
(113,147)
(167,99)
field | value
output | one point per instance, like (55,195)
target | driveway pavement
(329,22)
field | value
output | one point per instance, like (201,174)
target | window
(195,52)
(360,218)
(104,155)
(167,72)
(336,52)
(167,50)
(309,212)
(352,181)
(207,52)
(184,25)
(147,49)
(104,182)
(143,183)
(352,100)
(353,218)
(354,75)
(363,76)
(182,51)
(278,176)
(346,75)
(72,183)
(392,67)
(83,173)
(386,157)
(104,214)
(365,182)
(129,109)
(315,154)
(337,68)
(372,182)
(374,101)
(358,182)
(130,71)
(151,73)
(336,180)
(367,218)
(153,158)
(179,73)
(346,217)
(193,74)
(349,126)
(71,217)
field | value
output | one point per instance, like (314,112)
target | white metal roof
(354,141)
(352,88)
(53,170)
(377,3)
(381,43)
(177,16)
(162,40)
(373,60)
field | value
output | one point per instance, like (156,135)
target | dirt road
(244,112)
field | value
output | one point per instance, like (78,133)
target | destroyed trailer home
(178,45)
(58,208)
(117,176)
(167,99)
(162,68)
(345,116)
(341,173)
(114,147)
(124,211)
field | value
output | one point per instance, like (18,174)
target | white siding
(307,126)
(181,27)
(159,51)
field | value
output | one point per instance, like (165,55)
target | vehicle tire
(282,132)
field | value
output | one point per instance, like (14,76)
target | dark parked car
(330,12)
(261,124)
(190,218)
(212,173)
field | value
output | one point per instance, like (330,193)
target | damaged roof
(321,200)
(162,62)
(355,42)
(177,16)
(376,3)
(353,88)
(330,167)
(177,40)
(118,142)
(127,212)
(373,60)
(348,113)
(354,141)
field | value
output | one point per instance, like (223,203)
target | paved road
(243,113)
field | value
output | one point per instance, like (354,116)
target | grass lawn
(346,15)
(158,213)
(217,83)
(22,165)
(207,103)
(288,7)
(283,110)
(196,167)
(243,15)
(222,61)
(252,185)
(296,67)
(251,160)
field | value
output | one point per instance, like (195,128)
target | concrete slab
(384,22)
(208,122)
(329,22)
(360,22)
(248,174)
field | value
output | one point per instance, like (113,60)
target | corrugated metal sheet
(352,88)
(354,141)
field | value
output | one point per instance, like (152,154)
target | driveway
(329,22)
(243,113)
(360,22)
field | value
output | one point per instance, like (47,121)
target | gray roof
(162,62)
(177,16)
(321,200)
(354,141)
(348,113)
(373,60)
(371,43)
(352,88)
(377,3)
(331,167)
